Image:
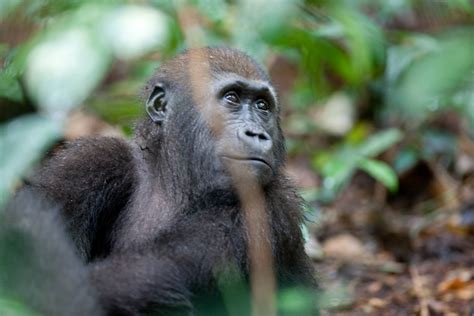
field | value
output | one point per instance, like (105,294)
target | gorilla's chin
(251,168)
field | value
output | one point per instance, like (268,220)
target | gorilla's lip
(258,160)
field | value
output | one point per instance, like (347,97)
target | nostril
(250,133)
(260,136)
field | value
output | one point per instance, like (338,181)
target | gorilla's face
(223,121)
(249,129)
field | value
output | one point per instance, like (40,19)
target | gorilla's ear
(156,104)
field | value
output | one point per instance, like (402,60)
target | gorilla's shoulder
(86,165)
(99,149)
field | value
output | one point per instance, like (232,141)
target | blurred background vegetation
(378,97)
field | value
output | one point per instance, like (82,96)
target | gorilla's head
(217,108)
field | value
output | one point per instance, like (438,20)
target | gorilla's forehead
(227,60)
(227,80)
(216,60)
(199,65)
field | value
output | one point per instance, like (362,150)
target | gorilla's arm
(170,272)
(190,257)
(91,180)
(131,283)
(38,265)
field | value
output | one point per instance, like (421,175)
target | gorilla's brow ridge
(230,80)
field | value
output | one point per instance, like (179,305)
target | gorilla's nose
(256,138)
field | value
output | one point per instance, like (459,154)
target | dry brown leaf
(467,293)
(377,302)
(456,280)
(374,287)
(459,284)
(345,246)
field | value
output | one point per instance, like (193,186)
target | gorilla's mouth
(251,160)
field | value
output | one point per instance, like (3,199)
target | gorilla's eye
(232,97)
(262,105)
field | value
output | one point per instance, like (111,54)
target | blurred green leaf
(296,301)
(401,57)
(338,167)
(358,133)
(249,28)
(119,104)
(338,170)
(235,293)
(337,296)
(10,87)
(133,30)
(9,307)
(434,76)
(378,143)
(216,10)
(8,6)
(465,5)
(380,171)
(439,144)
(406,159)
(45,9)
(121,111)
(35,134)
(83,43)
(312,212)
(365,41)
(63,69)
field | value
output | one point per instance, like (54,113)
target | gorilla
(163,223)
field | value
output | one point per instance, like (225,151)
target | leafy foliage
(337,167)
(361,72)
(338,46)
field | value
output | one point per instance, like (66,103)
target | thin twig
(250,194)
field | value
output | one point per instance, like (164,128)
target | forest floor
(411,253)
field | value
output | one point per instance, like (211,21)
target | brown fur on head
(193,75)
(215,60)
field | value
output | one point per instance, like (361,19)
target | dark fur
(38,264)
(157,219)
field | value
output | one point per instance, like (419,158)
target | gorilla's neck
(184,182)
(169,184)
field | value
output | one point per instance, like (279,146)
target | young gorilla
(158,219)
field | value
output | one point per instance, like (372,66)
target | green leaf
(401,57)
(64,68)
(406,159)
(337,173)
(337,296)
(8,6)
(10,87)
(216,10)
(22,142)
(296,301)
(337,168)
(365,41)
(379,142)
(10,307)
(305,232)
(438,142)
(115,110)
(380,171)
(434,76)
(134,30)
